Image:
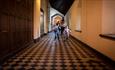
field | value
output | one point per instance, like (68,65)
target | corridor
(27,34)
(50,54)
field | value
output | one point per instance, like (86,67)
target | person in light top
(62,27)
(66,32)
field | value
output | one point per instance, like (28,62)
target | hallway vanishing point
(50,54)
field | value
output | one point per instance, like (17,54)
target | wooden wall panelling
(12,33)
(4,34)
(4,6)
(21,31)
(22,26)
(24,31)
(28,31)
(12,7)
(31,27)
(16,25)
(17,37)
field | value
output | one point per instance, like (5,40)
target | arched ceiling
(57,15)
(61,5)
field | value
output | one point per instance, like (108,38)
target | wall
(36,19)
(67,18)
(91,25)
(16,26)
(44,6)
(108,21)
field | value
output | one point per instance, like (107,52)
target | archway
(56,18)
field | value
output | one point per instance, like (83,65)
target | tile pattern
(50,54)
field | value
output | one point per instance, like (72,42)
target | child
(66,32)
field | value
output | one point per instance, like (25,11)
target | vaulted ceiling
(61,5)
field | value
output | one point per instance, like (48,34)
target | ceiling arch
(53,18)
(57,15)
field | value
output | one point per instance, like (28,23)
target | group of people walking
(61,29)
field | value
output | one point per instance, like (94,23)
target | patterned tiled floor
(50,54)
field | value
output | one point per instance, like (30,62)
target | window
(108,19)
(78,24)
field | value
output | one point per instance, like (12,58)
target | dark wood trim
(50,31)
(78,31)
(108,36)
(6,57)
(36,40)
(97,53)
(43,34)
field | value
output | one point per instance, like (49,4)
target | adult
(56,31)
(62,26)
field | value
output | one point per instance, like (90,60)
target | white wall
(54,11)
